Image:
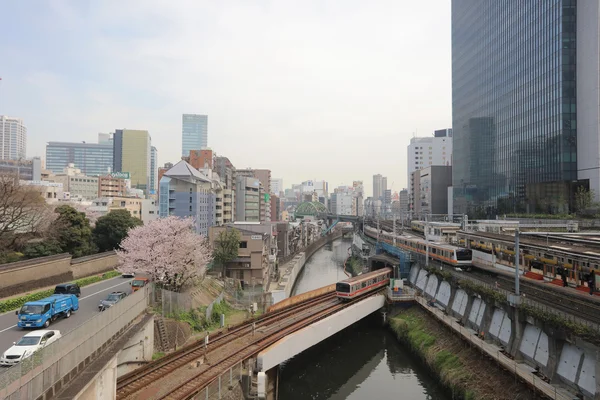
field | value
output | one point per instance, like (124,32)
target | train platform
(581,292)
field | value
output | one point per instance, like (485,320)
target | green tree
(583,198)
(74,234)
(226,247)
(45,248)
(112,228)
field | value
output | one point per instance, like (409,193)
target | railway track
(137,380)
(195,384)
(586,310)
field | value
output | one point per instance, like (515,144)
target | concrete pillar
(465,318)
(518,323)
(451,299)
(272,383)
(555,347)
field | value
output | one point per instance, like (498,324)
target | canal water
(364,361)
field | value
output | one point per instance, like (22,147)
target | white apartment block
(13,138)
(424,152)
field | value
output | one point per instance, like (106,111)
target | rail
(137,380)
(37,374)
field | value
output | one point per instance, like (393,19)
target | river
(364,361)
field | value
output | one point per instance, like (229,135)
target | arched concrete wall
(501,326)
(421,279)
(444,293)
(477,311)
(432,285)
(534,345)
(414,273)
(459,305)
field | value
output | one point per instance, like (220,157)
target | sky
(322,90)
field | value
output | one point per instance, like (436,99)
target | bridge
(248,352)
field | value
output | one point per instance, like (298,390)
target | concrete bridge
(248,353)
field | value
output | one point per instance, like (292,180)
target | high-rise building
(276,186)
(247,199)
(153,169)
(13,138)
(194,133)
(428,151)
(132,153)
(430,189)
(403,200)
(525,103)
(379,187)
(264,176)
(225,169)
(92,159)
(185,192)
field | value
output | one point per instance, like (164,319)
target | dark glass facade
(513,101)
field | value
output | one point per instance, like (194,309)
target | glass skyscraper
(194,133)
(515,84)
(91,158)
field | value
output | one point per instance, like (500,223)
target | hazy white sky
(310,89)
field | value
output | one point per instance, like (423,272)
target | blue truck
(40,313)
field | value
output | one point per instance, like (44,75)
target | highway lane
(88,307)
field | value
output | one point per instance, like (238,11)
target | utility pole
(517,257)
(394,230)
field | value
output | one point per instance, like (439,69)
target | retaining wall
(23,276)
(564,359)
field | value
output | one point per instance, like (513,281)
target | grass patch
(196,318)
(17,302)
(157,355)
(410,328)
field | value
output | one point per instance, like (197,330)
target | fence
(38,373)
(173,302)
(220,387)
(209,309)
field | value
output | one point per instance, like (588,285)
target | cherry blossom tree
(168,251)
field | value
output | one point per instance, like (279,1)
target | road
(88,307)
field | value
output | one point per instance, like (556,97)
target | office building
(277,186)
(429,194)
(194,133)
(52,192)
(185,192)
(77,184)
(427,151)
(28,170)
(153,170)
(132,153)
(225,169)
(379,187)
(149,210)
(92,159)
(247,200)
(403,200)
(13,138)
(526,105)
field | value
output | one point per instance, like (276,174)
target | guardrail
(35,375)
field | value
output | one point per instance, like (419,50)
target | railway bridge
(249,352)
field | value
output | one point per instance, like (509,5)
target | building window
(190,208)
(243,245)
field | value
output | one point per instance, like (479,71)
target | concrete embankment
(282,288)
(462,369)
(23,276)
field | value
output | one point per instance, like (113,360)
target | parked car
(68,288)
(138,283)
(27,345)
(128,274)
(40,313)
(111,300)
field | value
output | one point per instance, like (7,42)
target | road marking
(83,298)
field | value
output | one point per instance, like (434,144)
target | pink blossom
(167,250)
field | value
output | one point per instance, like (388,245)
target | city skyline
(295,91)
